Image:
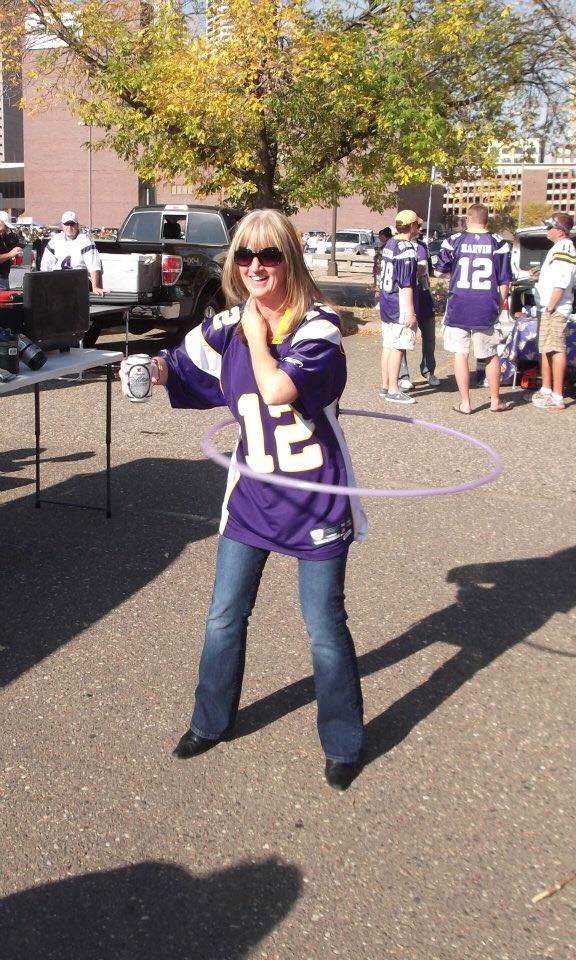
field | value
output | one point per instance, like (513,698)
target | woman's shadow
(150,911)
(498,605)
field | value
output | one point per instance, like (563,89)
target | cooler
(134,273)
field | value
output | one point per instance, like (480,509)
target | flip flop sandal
(505,406)
(465,413)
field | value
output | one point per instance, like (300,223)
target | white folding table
(61,365)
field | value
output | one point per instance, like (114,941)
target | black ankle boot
(191,745)
(340,775)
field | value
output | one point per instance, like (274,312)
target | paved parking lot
(462,609)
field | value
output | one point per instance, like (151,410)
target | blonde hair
(270,228)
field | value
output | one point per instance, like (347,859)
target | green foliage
(534,213)
(287,105)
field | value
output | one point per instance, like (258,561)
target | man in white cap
(10,247)
(72,249)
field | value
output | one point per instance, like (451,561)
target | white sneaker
(549,402)
(383,392)
(405,384)
(399,398)
(539,396)
(433,380)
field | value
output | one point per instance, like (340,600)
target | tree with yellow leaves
(279,103)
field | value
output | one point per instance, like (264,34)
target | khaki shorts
(552,333)
(484,342)
(395,336)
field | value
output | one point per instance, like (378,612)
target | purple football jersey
(397,270)
(478,263)
(212,367)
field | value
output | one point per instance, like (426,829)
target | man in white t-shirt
(554,299)
(72,249)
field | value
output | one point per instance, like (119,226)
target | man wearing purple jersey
(479,266)
(397,283)
(276,360)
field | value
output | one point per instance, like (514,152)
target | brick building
(521,185)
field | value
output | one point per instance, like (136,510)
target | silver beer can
(139,377)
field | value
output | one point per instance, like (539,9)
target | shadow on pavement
(12,461)
(150,911)
(498,606)
(63,569)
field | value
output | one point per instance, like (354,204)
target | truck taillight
(171,269)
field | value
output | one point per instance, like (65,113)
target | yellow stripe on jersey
(566,257)
(283,329)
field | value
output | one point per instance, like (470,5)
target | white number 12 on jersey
(481,278)
(285,434)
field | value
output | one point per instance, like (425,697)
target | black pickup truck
(168,258)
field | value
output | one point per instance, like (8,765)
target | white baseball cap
(69,217)
(6,219)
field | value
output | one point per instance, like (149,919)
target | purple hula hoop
(282,481)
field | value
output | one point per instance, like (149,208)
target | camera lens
(30,353)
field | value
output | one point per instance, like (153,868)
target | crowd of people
(477,263)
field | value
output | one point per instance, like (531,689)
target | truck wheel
(209,305)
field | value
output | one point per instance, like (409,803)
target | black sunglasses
(268,257)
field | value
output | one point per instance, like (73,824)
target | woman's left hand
(253,323)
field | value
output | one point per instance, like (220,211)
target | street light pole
(521,201)
(81,123)
(432,178)
(90,177)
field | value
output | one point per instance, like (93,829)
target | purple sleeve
(405,271)
(445,262)
(194,368)
(503,267)
(317,369)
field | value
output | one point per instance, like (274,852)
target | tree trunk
(266,194)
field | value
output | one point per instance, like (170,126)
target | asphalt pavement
(462,610)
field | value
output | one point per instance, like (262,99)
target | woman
(276,360)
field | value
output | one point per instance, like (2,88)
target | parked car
(312,240)
(353,240)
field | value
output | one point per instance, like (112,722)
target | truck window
(173,227)
(231,219)
(206,228)
(343,236)
(143,225)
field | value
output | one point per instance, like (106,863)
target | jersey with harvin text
(212,367)
(478,263)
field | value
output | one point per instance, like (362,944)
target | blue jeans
(238,572)
(5,283)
